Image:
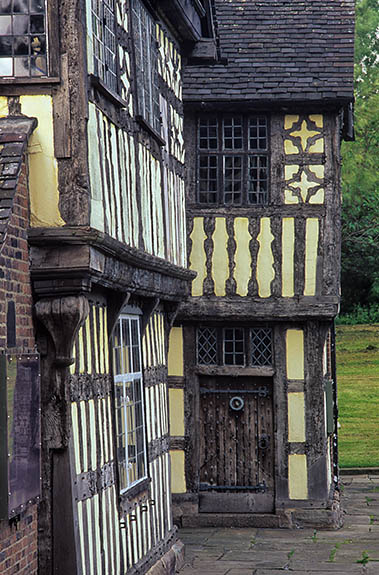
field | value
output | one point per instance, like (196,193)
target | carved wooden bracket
(148,309)
(63,317)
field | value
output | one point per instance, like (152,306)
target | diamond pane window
(129,402)
(104,42)
(207,346)
(261,346)
(23,44)
(234,346)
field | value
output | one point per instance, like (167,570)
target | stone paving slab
(252,551)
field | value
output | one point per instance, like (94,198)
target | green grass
(358,394)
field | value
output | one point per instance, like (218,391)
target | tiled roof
(278,50)
(14,135)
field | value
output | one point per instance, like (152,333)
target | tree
(360,210)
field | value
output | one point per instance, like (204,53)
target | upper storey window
(23,46)
(104,42)
(233,160)
(146,59)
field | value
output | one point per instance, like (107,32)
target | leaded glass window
(129,402)
(235,346)
(207,346)
(261,346)
(146,60)
(104,42)
(23,39)
(233,160)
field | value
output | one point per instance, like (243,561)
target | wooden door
(236,445)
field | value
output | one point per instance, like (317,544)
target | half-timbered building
(92,174)
(252,376)
(137,136)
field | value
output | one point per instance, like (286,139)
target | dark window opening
(233,160)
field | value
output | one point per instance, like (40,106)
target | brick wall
(14,271)
(18,539)
(18,544)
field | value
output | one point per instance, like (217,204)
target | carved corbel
(114,306)
(63,317)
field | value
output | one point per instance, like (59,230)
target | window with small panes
(233,160)
(23,39)
(129,402)
(146,62)
(234,346)
(104,42)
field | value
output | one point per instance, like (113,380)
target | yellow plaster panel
(288,251)
(178,480)
(317,119)
(304,133)
(317,147)
(290,120)
(220,260)
(289,147)
(242,270)
(296,417)
(265,260)
(297,477)
(4,111)
(311,246)
(176,397)
(295,353)
(43,168)
(198,257)
(175,352)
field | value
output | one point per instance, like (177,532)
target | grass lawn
(358,394)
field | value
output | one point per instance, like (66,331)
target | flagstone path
(353,549)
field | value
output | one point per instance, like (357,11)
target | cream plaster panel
(43,167)
(290,120)
(297,477)
(175,352)
(295,353)
(288,253)
(242,270)
(220,260)
(176,397)
(4,111)
(311,248)
(296,417)
(178,480)
(265,260)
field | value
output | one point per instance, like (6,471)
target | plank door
(236,445)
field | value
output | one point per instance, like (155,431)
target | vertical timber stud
(61,318)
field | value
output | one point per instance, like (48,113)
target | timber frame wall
(106,230)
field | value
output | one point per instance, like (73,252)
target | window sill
(105,91)
(142,122)
(234,370)
(27,81)
(135,490)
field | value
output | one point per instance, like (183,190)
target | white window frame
(129,375)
